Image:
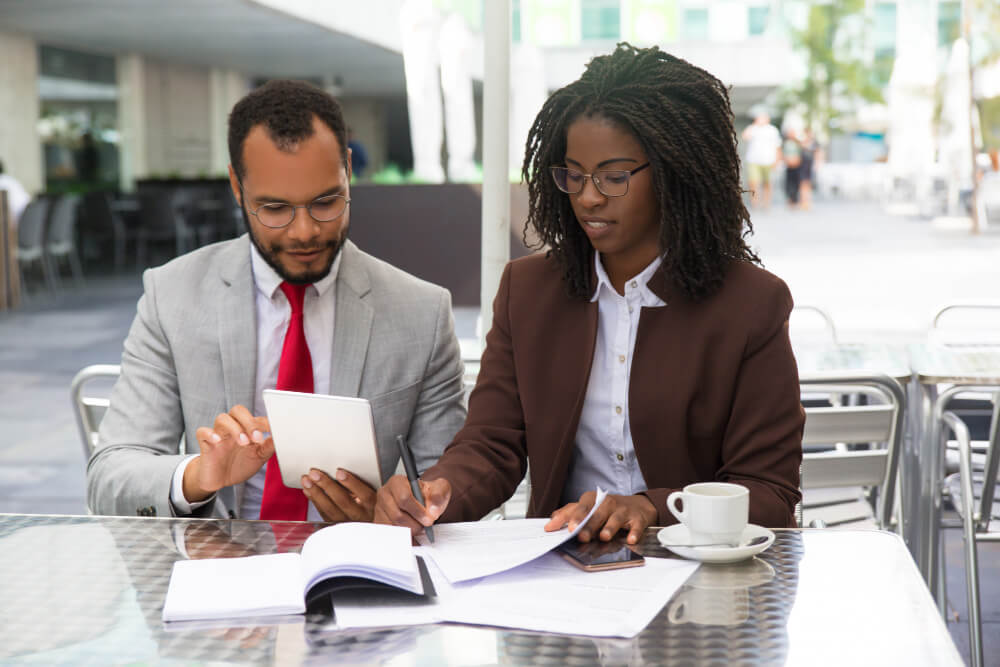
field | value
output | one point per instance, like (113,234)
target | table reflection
(90,590)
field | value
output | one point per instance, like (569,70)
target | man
(17,196)
(294,305)
(763,151)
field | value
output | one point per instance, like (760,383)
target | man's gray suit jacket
(192,353)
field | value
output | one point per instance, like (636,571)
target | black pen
(411,474)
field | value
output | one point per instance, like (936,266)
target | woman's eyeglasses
(609,182)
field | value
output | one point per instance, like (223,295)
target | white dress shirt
(604,455)
(273,315)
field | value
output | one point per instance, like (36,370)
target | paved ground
(879,277)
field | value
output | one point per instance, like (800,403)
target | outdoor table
(966,368)
(89,590)
(882,358)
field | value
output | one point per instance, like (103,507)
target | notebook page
(235,587)
(381,553)
(476,549)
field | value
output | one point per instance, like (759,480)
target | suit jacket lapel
(352,323)
(238,324)
(579,336)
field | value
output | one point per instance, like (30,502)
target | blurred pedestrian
(17,196)
(88,165)
(763,148)
(810,153)
(359,156)
(791,155)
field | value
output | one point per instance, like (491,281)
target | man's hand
(346,498)
(634,513)
(232,451)
(396,505)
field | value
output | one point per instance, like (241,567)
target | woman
(645,350)
(791,154)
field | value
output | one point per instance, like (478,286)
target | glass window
(66,64)
(884,29)
(949,22)
(600,19)
(694,23)
(757,19)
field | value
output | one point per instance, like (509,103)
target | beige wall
(367,119)
(20,147)
(178,123)
(174,118)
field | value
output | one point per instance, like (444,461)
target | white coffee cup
(714,512)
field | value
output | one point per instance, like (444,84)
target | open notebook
(340,557)
(349,557)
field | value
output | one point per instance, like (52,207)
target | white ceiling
(233,34)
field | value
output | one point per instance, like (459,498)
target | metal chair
(851,452)
(161,221)
(966,323)
(89,409)
(31,241)
(811,324)
(60,241)
(980,516)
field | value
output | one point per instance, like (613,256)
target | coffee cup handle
(672,505)
(676,612)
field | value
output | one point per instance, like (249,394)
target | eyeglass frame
(596,181)
(307,207)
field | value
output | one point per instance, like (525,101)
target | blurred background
(882,128)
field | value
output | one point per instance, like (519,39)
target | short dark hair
(682,117)
(285,108)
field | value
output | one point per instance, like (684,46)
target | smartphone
(597,556)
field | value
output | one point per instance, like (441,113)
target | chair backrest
(90,409)
(62,223)
(31,228)
(158,212)
(880,423)
(811,324)
(966,323)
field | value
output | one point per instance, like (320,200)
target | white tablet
(323,432)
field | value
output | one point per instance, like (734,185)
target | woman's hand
(633,513)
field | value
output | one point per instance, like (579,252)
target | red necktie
(295,373)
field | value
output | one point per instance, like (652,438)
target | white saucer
(678,534)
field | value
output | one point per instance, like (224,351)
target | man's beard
(271,256)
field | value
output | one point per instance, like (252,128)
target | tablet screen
(323,432)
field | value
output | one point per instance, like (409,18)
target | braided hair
(681,116)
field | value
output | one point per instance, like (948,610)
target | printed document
(465,551)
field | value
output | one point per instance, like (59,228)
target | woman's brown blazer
(713,395)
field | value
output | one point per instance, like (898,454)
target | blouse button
(619,456)
(634,284)
(618,409)
(621,358)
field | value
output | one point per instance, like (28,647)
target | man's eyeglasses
(279,214)
(609,182)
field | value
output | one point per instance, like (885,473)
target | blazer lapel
(352,323)
(238,324)
(578,336)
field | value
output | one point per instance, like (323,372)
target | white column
(132,120)
(526,99)
(496,137)
(226,88)
(418,24)
(455,47)
(20,147)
